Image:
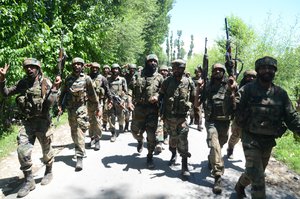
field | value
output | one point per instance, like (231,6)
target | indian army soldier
(118,88)
(106,73)
(145,98)
(161,133)
(100,85)
(75,92)
(264,111)
(132,71)
(178,92)
(216,121)
(196,113)
(36,94)
(248,76)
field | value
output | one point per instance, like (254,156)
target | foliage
(288,151)
(8,141)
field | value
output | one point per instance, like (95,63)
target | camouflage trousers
(95,124)
(257,159)
(32,129)
(105,113)
(145,118)
(217,136)
(178,129)
(196,114)
(79,124)
(235,135)
(161,132)
(116,113)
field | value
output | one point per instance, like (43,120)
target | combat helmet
(220,66)
(95,65)
(32,62)
(115,66)
(106,66)
(152,56)
(266,61)
(78,60)
(179,62)
(131,66)
(249,72)
(163,67)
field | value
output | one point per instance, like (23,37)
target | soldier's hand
(130,106)
(57,82)
(60,111)
(200,84)
(98,113)
(153,99)
(3,72)
(232,84)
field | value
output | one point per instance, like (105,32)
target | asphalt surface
(118,171)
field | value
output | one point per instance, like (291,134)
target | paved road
(118,171)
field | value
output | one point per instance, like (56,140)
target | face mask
(266,77)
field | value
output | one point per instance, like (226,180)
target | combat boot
(126,127)
(28,185)
(173,157)
(97,145)
(150,164)
(184,168)
(79,164)
(240,191)
(191,121)
(113,137)
(48,176)
(140,146)
(121,129)
(229,153)
(104,127)
(92,142)
(158,147)
(217,189)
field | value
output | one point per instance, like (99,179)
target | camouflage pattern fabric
(235,136)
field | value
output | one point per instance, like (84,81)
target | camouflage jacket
(118,86)
(34,97)
(265,112)
(145,87)
(177,96)
(101,87)
(76,91)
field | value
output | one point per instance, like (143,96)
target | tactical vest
(145,87)
(97,84)
(76,90)
(118,85)
(266,111)
(31,101)
(213,106)
(176,99)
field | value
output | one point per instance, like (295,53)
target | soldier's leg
(151,127)
(234,138)
(95,131)
(192,115)
(170,127)
(159,134)
(183,146)
(112,122)
(121,119)
(127,117)
(26,139)
(138,126)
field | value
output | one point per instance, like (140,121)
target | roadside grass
(8,142)
(288,151)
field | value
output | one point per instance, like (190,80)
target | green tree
(190,53)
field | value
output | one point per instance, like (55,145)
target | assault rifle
(205,63)
(118,100)
(231,64)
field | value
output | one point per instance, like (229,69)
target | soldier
(100,85)
(264,111)
(36,95)
(118,88)
(216,121)
(196,113)
(248,76)
(164,71)
(177,92)
(145,97)
(75,91)
(106,73)
(132,71)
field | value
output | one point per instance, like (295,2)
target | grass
(288,151)
(8,142)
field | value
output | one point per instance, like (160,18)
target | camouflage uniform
(263,113)
(106,74)
(196,111)
(100,85)
(75,92)
(177,92)
(34,101)
(118,88)
(216,123)
(145,114)
(236,131)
